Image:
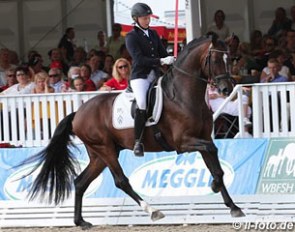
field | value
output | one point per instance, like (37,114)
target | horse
(186,124)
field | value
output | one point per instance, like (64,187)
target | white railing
(19,125)
(273,109)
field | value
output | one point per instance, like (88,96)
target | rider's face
(144,21)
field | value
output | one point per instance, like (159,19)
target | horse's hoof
(216,187)
(157,215)
(86,225)
(237,212)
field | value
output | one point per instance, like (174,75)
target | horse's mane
(191,45)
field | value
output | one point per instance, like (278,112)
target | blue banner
(155,174)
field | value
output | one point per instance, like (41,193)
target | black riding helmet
(139,10)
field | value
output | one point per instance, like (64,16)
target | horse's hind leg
(94,168)
(122,182)
(210,157)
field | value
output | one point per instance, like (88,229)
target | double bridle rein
(208,62)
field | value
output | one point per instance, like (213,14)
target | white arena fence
(273,109)
(30,120)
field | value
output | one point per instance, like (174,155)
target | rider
(148,53)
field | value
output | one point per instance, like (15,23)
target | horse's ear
(213,36)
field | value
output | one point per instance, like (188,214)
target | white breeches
(140,88)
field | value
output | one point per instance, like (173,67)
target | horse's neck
(186,89)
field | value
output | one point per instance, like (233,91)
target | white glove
(167,60)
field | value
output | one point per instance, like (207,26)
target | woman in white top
(24,85)
(218,26)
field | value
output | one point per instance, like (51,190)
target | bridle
(217,78)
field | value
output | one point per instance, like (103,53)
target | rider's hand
(167,60)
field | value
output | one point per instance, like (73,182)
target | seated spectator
(121,73)
(256,43)
(4,64)
(24,85)
(36,63)
(269,46)
(280,56)
(274,75)
(85,73)
(10,79)
(41,83)
(97,75)
(216,99)
(57,61)
(79,57)
(108,64)
(280,24)
(73,72)
(55,79)
(78,84)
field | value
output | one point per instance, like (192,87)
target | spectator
(24,85)
(13,57)
(78,84)
(36,63)
(85,73)
(102,43)
(10,79)
(73,72)
(125,54)
(97,75)
(121,73)
(57,61)
(256,43)
(280,56)
(79,57)
(216,99)
(274,76)
(280,24)
(115,41)
(67,45)
(108,64)
(4,64)
(41,80)
(219,26)
(55,79)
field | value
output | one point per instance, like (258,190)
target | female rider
(148,53)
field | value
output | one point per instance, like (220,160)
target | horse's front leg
(122,182)
(210,156)
(211,160)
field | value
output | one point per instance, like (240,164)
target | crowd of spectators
(268,57)
(105,67)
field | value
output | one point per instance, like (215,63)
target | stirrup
(138,149)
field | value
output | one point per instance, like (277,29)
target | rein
(208,62)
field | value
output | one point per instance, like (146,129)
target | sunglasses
(11,75)
(123,66)
(54,75)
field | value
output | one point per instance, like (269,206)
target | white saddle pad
(122,118)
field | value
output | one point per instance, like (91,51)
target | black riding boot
(139,125)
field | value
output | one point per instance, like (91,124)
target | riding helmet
(140,9)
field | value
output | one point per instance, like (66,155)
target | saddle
(125,104)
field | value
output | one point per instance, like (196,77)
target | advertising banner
(155,174)
(278,173)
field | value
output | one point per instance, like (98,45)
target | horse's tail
(58,165)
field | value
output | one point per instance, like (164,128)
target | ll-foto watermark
(264,226)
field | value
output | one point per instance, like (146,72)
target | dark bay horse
(186,124)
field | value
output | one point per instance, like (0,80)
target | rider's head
(141,14)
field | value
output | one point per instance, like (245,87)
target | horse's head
(217,68)
(206,59)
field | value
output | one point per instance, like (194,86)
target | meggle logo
(185,174)
(17,188)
